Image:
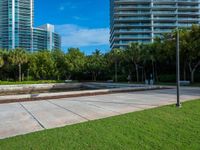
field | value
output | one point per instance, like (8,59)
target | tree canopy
(139,60)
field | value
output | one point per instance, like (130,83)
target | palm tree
(133,54)
(149,48)
(115,56)
(95,64)
(144,59)
(1,58)
(1,61)
(18,57)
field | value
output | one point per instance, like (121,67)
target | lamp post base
(178,105)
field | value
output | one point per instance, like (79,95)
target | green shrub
(167,78)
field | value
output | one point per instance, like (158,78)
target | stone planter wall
(37,87)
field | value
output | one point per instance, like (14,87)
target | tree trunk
(192,76)
(153,71)
(58,77)
(193,70)
(116,70)
(137,72)
(22,79)
(94,76)
(184,72)
(143,74)
(20,73)
(28,74)
(156,73)
(69,77)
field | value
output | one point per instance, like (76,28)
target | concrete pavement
(25,117)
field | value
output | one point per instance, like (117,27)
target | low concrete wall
(113,85)
(37,87)
(58,86)
(46,96)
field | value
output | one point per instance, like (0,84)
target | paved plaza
(26,117)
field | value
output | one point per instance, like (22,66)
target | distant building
(16,28)
(44,36)
(143,20)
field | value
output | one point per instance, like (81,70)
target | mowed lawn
(161,128)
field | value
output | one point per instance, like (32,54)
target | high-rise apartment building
(143,20)
(45,36)
(17,31)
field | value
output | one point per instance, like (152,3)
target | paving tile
(15,120)
(90,112)
(118,107)
(26,117)
(50,115)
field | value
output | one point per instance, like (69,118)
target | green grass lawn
(161,128)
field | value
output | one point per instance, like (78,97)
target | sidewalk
(25,117)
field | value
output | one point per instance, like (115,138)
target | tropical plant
(134,55)
(18,57)
(42,65)
(1,58)
(194,51)
(61,65)
(115,56)
(95,64)
(76,61)
(1,61)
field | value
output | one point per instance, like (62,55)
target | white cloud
(76,36)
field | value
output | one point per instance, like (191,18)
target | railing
(135,35)
(138,24)
(133,30)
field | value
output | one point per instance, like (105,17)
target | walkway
(26,117)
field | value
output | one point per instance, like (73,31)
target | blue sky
(82,23)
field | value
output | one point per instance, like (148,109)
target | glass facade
(16,27)
(45,37)
(143,20)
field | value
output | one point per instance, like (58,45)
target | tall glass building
(16,28)
(143,20)
(44,36)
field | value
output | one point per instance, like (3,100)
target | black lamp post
(178,104)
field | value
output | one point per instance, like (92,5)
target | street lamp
(178,104)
